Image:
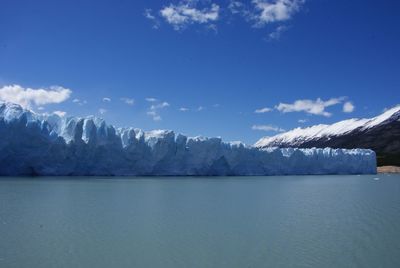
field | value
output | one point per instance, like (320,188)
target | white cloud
(102,111)
(267,128)
(154,109)
(75,100)
(27,97)
(348,107)
(263,110)
(186,13)
(316,107)
(273,11)
(151,99)
(200,108)
(183,109)
(128,101)
(258,12)
(276,34)
(105,99)
(40,108)
(60,113)
(302,121)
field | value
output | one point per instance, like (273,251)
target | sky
(236,69)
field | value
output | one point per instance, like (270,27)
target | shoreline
(388,169)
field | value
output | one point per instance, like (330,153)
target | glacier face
(43,144)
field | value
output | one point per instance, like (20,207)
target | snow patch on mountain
(298,136)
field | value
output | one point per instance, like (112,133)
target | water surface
(304,221)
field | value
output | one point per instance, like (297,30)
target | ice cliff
(43,144)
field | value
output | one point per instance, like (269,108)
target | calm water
(307,221)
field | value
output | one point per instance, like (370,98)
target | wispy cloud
(267,128)
(276,34)
(79,102)
(183,109)
(186,13)
(263,110)
(105,99)
(60,113)
(102,111)
(148,13)
(154,115)
(267,11)
(128,101)
(200,108)
(302,121)
(27,97)
(151,99)
(235,7)
(348,107)
(159,105)
(316,107)
(155,108)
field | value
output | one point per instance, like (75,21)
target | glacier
(50,145)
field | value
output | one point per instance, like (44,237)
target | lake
(293,221)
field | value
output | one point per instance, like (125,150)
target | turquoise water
(304,221)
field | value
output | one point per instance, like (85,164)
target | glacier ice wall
(40,144)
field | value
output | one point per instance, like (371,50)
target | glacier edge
(42,144)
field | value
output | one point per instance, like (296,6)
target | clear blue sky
(229,59)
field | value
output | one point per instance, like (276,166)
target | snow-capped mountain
(43,144)
(380,133)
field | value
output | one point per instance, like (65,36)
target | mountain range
(380,133)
